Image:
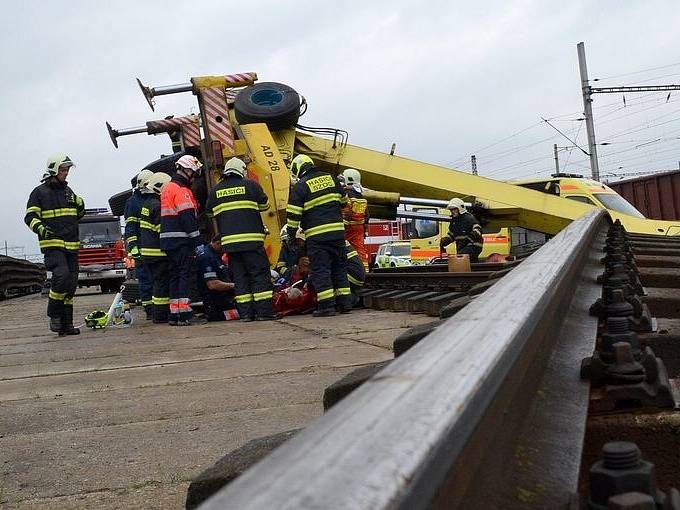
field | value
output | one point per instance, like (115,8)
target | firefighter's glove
(134,253)
(45,232)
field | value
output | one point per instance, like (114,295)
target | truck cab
(102,251)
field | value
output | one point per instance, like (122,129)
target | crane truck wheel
(117,202)
(274,104)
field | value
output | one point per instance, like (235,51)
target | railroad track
(508,401)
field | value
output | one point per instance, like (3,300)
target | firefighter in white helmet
(355,213)
(52,212)
(465,230)
(236,203)
(133,206)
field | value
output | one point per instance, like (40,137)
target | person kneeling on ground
(215,283)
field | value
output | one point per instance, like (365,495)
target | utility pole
(473,159)
(588,91)
(588,111)
(557,160)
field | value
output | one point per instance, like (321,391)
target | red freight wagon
(656,196)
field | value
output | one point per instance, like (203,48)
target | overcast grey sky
(441,79)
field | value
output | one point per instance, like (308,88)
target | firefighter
(180,236)
(290,253)
(465,230)
(356,272)
(154,259)
(215,283)
(52,212)
(236,203)
(355,213)
(315,205)
(132,209)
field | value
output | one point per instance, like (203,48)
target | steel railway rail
(487,411)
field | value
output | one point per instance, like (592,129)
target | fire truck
(102,251)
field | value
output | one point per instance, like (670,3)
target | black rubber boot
(325,310)
(67,323)
(148,310)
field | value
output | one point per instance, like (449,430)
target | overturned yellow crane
(260,123)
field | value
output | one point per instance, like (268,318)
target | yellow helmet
(456,203)
(58,160)
(297,166)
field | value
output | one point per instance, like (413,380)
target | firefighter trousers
(160,281)
(471,250)
(64,268)
(252,283)
(356,237)
(180,262)
(145,279)
(328,273)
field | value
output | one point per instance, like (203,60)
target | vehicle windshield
(101,232)
(617,203)
(400,250)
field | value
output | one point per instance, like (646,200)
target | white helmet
(235,166)
(352,177)
(456,203)
(58,160)
(157,181)
(189,163)
(143,178)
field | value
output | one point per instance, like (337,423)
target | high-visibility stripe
(331,197)
(168,211)
(343,291)
(292,223)
(166,235)
(34,209)
(131,238)
(156,300)
(294,209)
(232,206)
(147,302)
(131,219)
(325,294)
(58,213)
(322,229)
(152,252)
(57,296)
(210,274)
(34,222)
(184,206)
(242,238)
(243,298)
(68,301)
(353,280)
(59,243)
(259,296)
(149,226)
(263,207)
(352,254)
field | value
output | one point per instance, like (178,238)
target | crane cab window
(581,198)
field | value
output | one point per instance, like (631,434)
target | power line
(638,72)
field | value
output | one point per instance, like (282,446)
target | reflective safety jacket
(356,210)
(55,207)
(150,228)
(315,204)
(179,222)
(356,272)
(465,230)
(236,204)
(132,209)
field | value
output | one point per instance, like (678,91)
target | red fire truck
(380,232)
(102,251)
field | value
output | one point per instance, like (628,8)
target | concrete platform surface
(124,418)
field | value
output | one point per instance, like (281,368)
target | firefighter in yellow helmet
(314,204)
(52,212)
(465,230)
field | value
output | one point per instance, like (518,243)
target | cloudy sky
(443,80)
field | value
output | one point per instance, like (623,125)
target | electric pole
(557,160)
(588,91)
(473,159)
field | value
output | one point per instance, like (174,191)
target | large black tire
(117,202)
(275,104)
